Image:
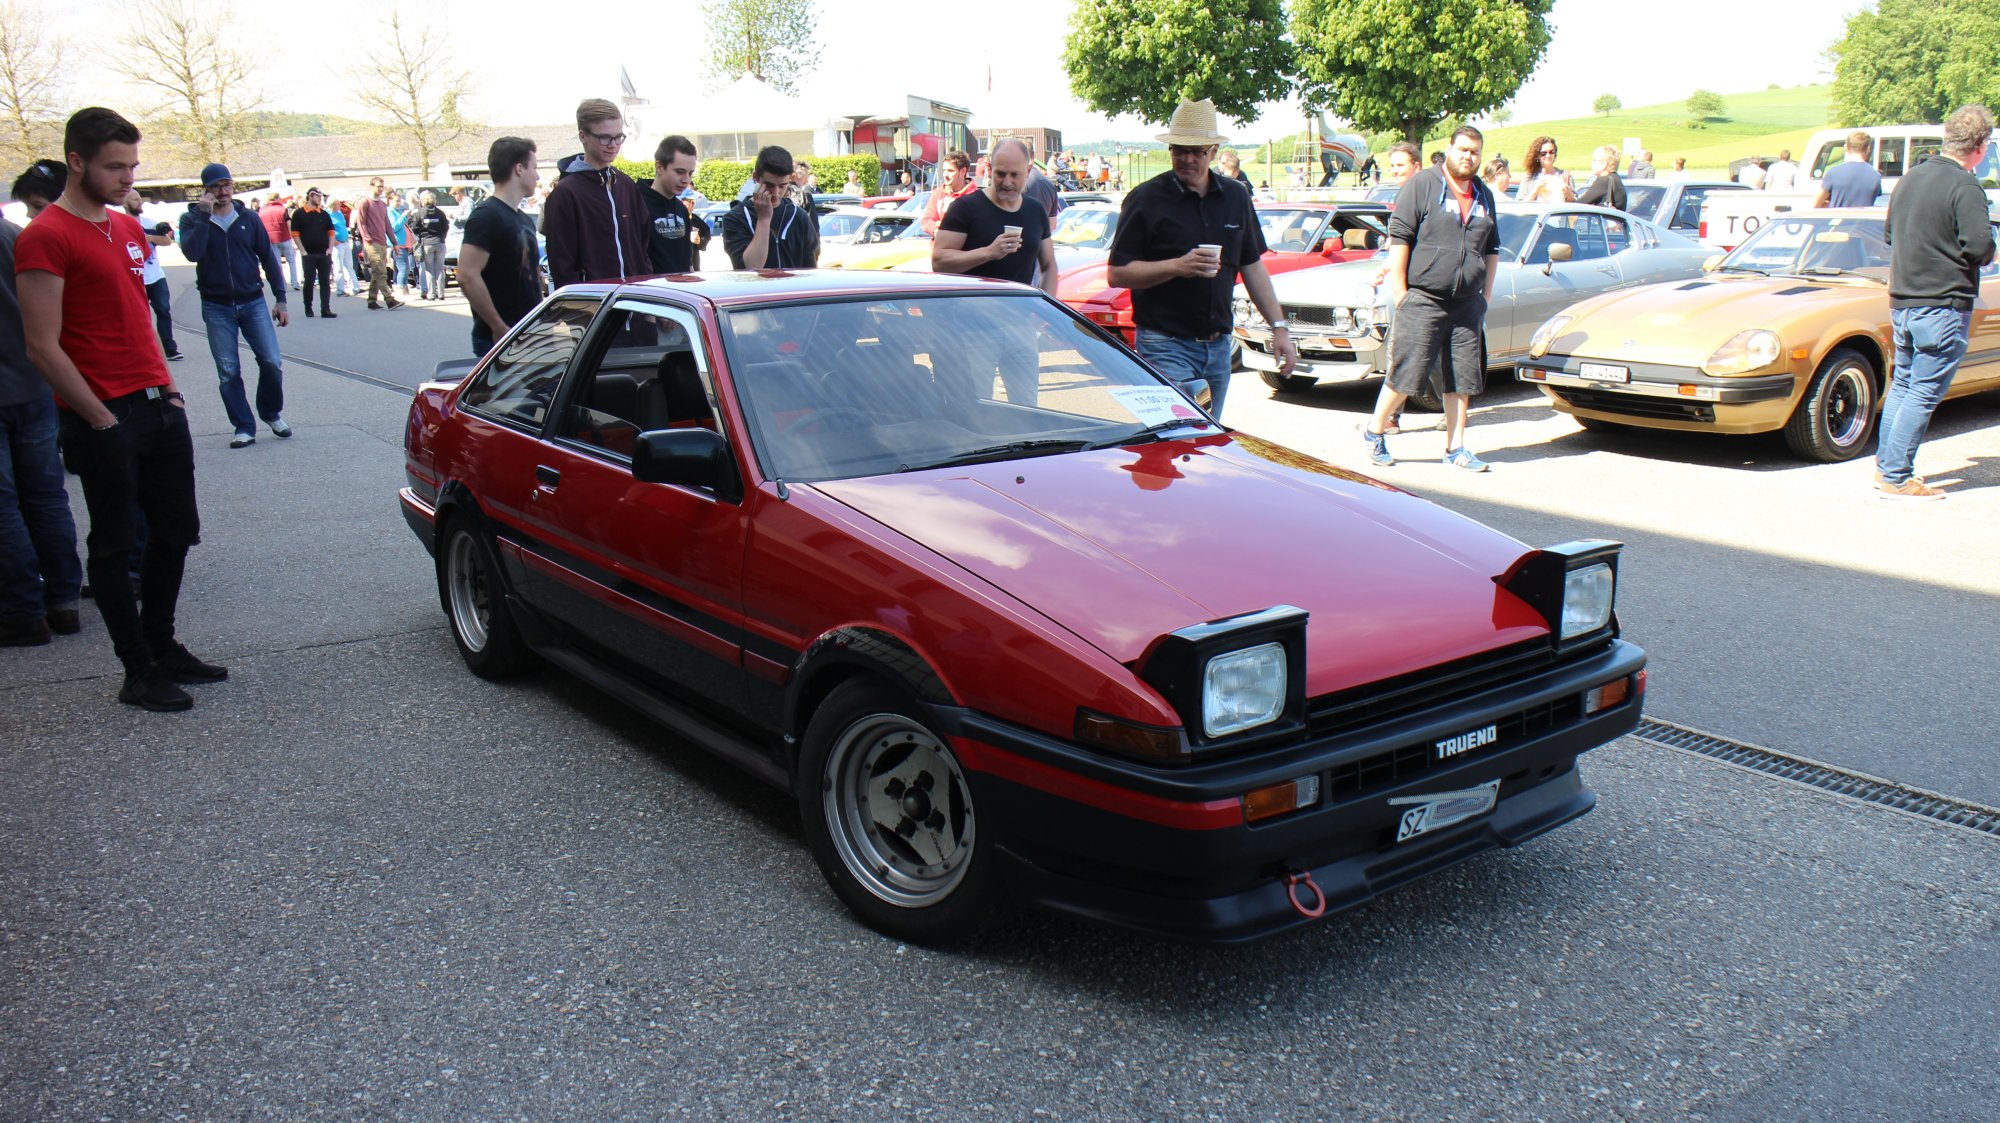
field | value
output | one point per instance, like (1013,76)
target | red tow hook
(1293,880)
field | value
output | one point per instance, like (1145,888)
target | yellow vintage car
(910,245)
(1789,331)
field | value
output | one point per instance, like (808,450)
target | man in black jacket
(767,230)
(1939,238)
(312,228)
(228,245)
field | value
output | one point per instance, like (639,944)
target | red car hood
(1121,546)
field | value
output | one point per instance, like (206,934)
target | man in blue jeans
(1939,239)
(229,245)
(41,578)
(1183,237)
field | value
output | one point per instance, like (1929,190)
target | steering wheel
(825,415)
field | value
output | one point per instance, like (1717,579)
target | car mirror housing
(1558,253)
(689,457)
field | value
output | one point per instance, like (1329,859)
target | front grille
(1636,406)
(1424,689)
(1306,316)
(1397,766)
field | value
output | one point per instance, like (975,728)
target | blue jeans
(253,319)
(161,296)
(39,569)
(404,256)
(1929,344)
(1188,361)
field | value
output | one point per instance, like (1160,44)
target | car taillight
(1103,317)
(1702,230)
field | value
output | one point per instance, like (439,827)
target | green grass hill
(1757,124)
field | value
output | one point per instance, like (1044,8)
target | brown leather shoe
(64,621)
(24,633)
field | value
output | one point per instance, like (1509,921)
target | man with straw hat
(1183,237)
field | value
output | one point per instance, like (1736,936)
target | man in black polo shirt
(1183,237)
(1444,246)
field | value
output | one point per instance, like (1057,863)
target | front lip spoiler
(1658,380)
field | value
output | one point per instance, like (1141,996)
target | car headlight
(1243,689)
(1746,351)
(1246,312)
(1343,319)
(1538,344)
(1587,598)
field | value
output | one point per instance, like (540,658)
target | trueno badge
(1466,742)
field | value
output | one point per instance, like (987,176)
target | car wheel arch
(851,652)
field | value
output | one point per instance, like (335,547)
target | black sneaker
(64,621)
(179,664)
(33,632)
(150,690)
(328,314)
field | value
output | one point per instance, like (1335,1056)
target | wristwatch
(1281,323)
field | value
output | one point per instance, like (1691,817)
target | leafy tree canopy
(1704,104)
(1404,65)
(773,39)
(1606,105)
(1907,61)
(1144,56)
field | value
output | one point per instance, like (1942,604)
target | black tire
(928,877)
(1288,383)
(1426,401)
(1836,417)
(475,603)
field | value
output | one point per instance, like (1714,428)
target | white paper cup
(1211,249)
(1013,231)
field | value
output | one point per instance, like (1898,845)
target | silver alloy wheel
(898,810)
(1848,404)
(465,578)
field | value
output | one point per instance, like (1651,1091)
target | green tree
(1915,60)
(1606,105)
(773,39)
(1501,116)
(1144,56)
(1404,65)
(1704,105)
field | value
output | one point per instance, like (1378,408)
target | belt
(150,393)
(1209,338)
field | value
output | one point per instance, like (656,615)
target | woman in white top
(1544,182)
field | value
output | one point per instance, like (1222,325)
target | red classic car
(1009,616)
(1296,236)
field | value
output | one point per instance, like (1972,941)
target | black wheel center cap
(916,805)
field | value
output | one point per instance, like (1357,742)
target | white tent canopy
(747,105)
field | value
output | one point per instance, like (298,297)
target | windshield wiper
(1157,431)
(1836,271)
(1742,269)
(1040,446)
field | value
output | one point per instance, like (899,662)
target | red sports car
(1296,236)
(1010,617)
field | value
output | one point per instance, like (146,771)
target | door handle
(547,476)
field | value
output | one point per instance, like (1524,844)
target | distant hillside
(274,124)
(1758,124)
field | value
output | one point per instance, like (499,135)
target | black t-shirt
(980,220)
(314,228)
(513,269)
(667,242)
(1162,219)
(1605,191)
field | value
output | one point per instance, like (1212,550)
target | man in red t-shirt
(957,181)
(81,269)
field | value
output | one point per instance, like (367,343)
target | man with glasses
(1183,237)
(595,221)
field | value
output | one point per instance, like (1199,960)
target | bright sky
(535,68)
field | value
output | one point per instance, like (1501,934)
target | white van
(1898,148)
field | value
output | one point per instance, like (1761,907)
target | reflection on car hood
(1683,322)
(1347,283)
(1123,545)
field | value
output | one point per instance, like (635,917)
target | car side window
(519,382)
(1923,148)
(648,372)
(1889,156)
(1687,215)
(1617,234)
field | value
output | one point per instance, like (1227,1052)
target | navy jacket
(226,263)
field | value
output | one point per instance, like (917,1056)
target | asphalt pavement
(356,882)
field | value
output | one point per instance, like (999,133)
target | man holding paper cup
(1183,238)
(990,233)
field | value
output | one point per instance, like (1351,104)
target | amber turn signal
(1604,697)
(1280,799)
(1130,737)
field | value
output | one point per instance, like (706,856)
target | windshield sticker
(1152,405)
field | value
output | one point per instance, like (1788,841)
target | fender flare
(857,649)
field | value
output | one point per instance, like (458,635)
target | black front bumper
(1068,852)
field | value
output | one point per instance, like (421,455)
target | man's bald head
(1010,171)
(1015,144)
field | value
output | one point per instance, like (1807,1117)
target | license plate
(1603,373)
(1438,810)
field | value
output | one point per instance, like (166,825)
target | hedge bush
(720,179)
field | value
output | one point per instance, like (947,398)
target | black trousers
(318,267)
(144,465)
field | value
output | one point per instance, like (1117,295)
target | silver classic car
(1551,256)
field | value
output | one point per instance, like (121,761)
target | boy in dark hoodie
(767,230)
(228,245)
(594,220)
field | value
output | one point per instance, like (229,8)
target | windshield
(1797,245)
(1643,198)
(1086,228)
(838,390)
(1514,231)
(914,232)
(840,226)
(1290,230)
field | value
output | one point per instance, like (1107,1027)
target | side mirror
(1713,263)
(1356,239)
(689,457)
(1558,253)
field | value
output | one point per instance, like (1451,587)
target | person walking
(499,265)
(41,580)
(1444,247)
(1605,189)
(402,241)
(124,425)
(594,219)
(1853,182)
(278,226)
(158,292)
(344,281)
(674,230)
(767,230)
(312,229)
(228,246)
(428,225)
(373,222)
(1183,238)
(1939,238)
(957,181)
(997,232)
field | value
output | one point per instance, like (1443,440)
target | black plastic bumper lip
(421,517)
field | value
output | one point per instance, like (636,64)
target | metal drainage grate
(1855,785)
